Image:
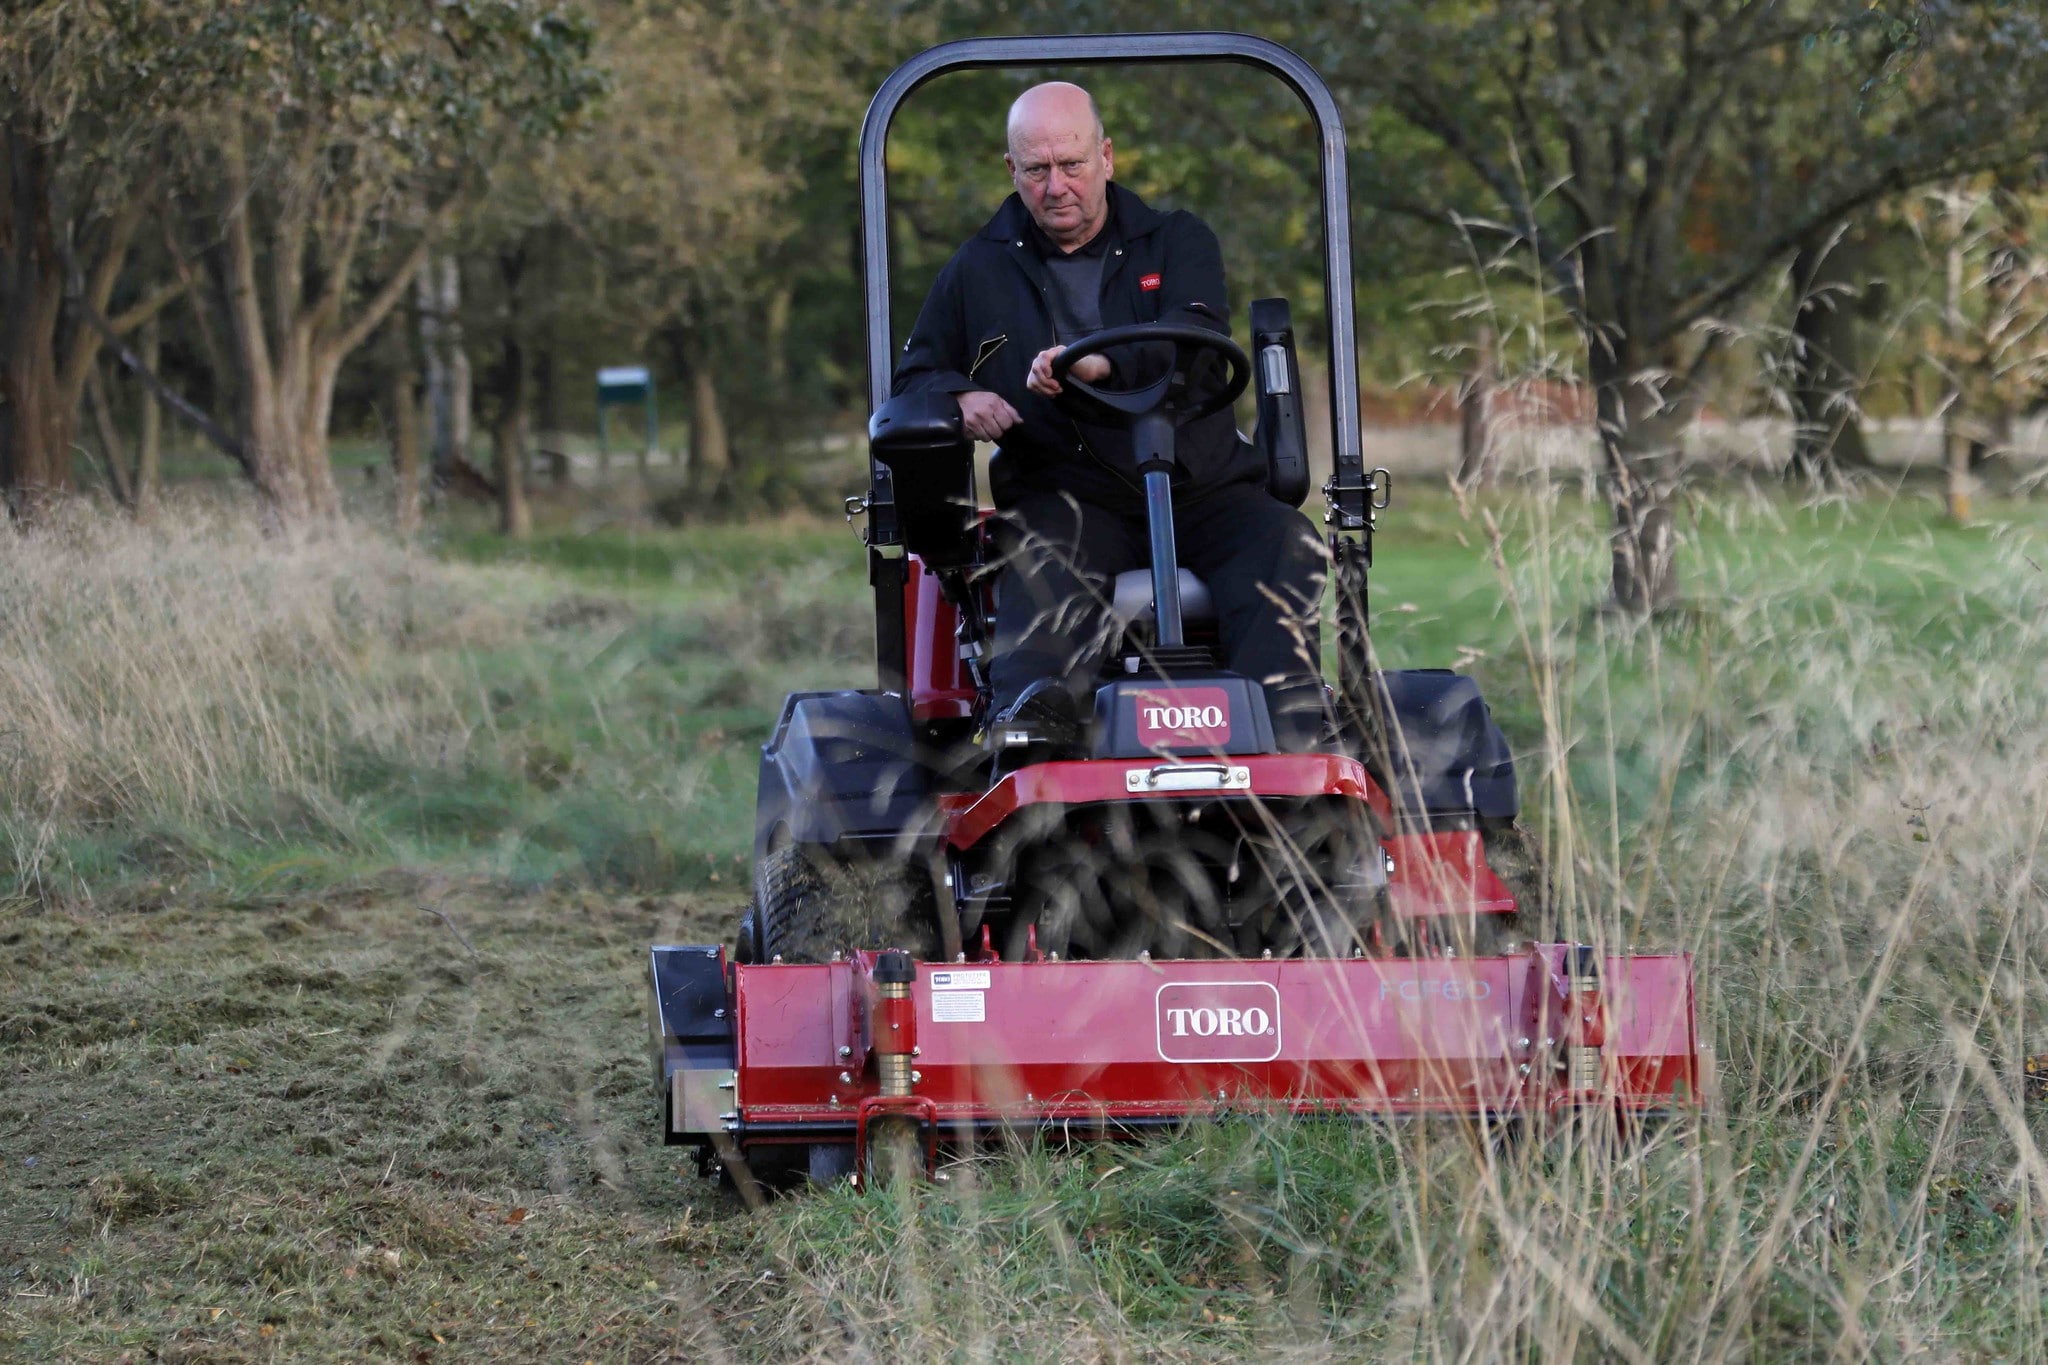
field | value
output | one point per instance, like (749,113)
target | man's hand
(985,416)
(1089,369)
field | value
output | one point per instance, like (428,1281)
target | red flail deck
(1125,1043)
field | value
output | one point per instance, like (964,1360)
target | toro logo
(1178,717)
(1148,283)
(1218,1021)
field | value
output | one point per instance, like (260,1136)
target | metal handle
(1189,777)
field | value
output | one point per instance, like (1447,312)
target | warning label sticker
(961,979)
(959,1007)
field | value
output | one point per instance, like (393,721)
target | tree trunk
(508,448)
(449,395)
(554,440)
(150,433)
(781,305)
(2010,277)
(1826,379)
(508,431)
(113,458)
(710,453)
(710,456)
(35,424)
(1955,444)
(1640,432)
(402,405)
(1478,452)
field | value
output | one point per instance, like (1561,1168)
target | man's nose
(1055,183)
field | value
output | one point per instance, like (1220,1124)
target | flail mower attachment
(789,1065)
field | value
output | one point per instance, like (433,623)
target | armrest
(931,460)
(1281,436)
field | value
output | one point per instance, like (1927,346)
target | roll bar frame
(1349,493)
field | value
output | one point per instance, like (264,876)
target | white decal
(959,1007)
(960,980)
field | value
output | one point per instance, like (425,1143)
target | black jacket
(987,317)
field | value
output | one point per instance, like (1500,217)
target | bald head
(1060,162)
(1055,105)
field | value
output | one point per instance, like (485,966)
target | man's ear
(1108,160)
(1010,165)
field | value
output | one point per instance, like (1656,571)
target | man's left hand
(1089,369)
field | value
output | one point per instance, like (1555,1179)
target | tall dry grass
(192,668)
(1826,776)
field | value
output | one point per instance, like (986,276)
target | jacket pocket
(988,348)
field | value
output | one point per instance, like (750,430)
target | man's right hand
(985,416)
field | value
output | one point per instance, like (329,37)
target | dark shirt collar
(1049,250)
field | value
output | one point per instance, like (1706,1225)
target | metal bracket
(918,1108)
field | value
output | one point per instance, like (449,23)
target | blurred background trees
(1811,215)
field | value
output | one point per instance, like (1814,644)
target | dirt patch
(442,1151)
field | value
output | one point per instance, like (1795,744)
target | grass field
(326,874)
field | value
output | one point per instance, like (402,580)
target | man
(1071,253)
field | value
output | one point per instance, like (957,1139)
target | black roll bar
(1349,500)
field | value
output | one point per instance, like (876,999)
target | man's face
(1062,171)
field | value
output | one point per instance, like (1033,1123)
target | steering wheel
(1166,396)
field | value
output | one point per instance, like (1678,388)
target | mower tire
(1515,854)
(807,907)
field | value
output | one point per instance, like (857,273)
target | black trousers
(1263,561)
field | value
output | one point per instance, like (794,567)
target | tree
(329,147)
(1656,161)
(687,194)
(1823,373)
(78,153)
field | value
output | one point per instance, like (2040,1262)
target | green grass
(320,995)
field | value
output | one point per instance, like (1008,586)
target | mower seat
(1131,599)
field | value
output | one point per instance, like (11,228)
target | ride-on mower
(956,931)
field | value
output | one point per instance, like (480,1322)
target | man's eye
(1072,167)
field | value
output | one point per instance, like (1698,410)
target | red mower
(953,935)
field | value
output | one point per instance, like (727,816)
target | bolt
(1266,955)
(846,1078)
(776,961)
(833,1100)
(718,1013)
(1523,1068)
(916,1076)
(845,1051)
(917,1052)
(729,1115)
(726,1085)
(1521,1042)
(835,955)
